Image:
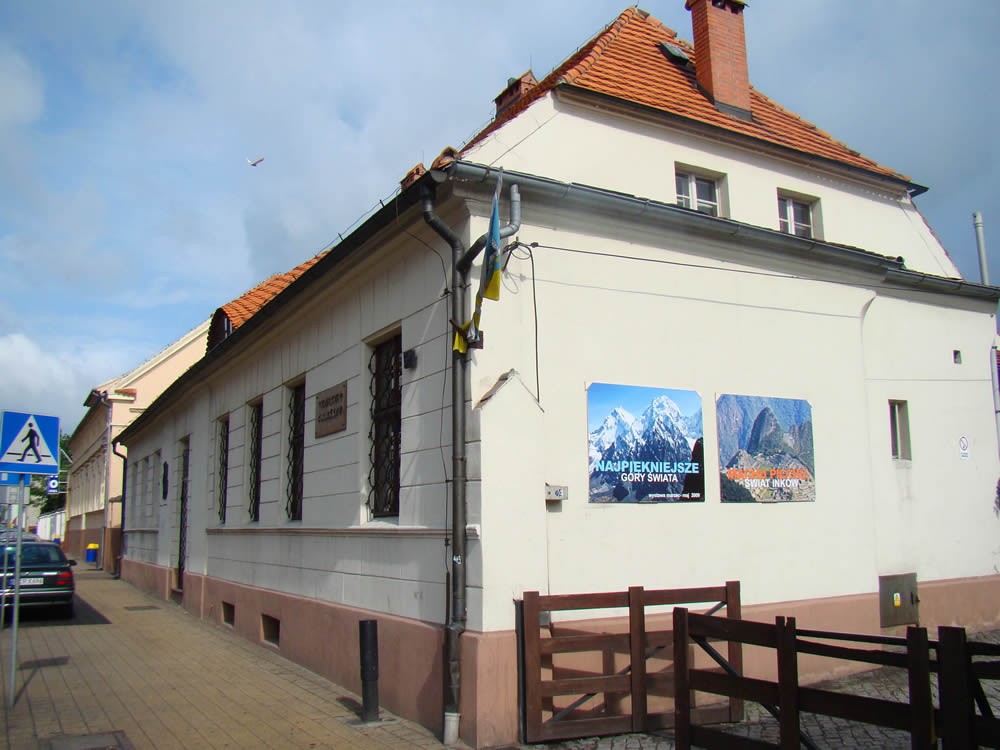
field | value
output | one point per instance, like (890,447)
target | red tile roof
(626,61)
(244,307)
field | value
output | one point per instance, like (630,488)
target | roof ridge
(599,43)
(556,75)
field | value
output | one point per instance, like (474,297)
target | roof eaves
(623,206)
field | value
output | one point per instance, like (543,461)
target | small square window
(899,429)
(698,193)
(795,216)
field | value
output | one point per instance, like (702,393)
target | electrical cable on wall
(517,244)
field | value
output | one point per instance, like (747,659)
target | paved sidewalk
(132,672)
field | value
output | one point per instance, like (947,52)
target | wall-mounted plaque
(331,410)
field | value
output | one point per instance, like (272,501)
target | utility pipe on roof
(457,611)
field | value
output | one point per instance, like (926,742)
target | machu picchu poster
(765,449)
(645,444)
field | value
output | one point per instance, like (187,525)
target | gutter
(461,262)
(623,206)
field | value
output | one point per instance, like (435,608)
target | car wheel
(66,610)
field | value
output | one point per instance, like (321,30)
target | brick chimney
(516,87)
(720,54)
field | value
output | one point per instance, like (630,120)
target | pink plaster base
(324,638)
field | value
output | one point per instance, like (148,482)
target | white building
(678,234)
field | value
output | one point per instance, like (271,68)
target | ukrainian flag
(489,281)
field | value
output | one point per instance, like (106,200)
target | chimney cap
(739,3)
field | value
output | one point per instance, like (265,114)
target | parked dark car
(46,577)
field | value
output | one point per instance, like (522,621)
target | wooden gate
(610,675)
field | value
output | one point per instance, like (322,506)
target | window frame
(385,368)
(295,451)
(899,430)
(788,223)
(222,466)
(255,457)
(690,198)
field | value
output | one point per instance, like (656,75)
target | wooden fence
(959,687)
(589,692)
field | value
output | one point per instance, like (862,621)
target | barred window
(223,466)
(296,450)
(147,487)
(256,445)
(385,367)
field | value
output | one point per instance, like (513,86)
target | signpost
(29,444)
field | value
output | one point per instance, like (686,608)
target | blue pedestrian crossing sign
(29,443)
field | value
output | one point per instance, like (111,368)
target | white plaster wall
(935,512)
(569,143)
(724,328)
(336,552)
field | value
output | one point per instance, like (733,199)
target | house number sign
(331,410)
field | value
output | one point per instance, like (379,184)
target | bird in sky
(255,162)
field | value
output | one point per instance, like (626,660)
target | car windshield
(34,554)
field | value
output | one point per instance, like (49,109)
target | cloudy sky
(128,211)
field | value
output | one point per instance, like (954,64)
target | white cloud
(23,99)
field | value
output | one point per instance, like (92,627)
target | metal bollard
(368,634)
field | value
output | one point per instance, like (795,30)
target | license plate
(32,581)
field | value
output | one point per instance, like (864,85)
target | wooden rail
(578,699)
(959,687)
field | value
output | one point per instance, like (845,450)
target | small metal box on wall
(898,600)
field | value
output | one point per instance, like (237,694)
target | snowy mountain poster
(645,445)
(765,449)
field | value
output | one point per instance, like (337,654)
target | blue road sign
(8,478)
(29,443)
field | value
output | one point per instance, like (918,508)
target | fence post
(532,667)
(637,645)
(682,690)
(788,683)
(918,668)
(734,612)
(953,688)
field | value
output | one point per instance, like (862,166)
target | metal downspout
(461,261)
(984,274)
(457,610)
(121,546)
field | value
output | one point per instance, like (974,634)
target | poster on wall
(765,449)
(645,445)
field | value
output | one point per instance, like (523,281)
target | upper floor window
(796,216)
(385,368)
(697,192)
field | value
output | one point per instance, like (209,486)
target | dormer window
(697,192)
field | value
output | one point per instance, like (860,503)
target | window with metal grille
(256,445)
(223,466)
(296,450)
(385,367)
